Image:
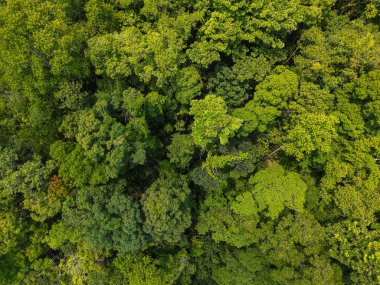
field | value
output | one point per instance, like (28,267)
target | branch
(276,150)
(291,55)
(47,64)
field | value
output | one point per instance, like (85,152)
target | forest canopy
(154,142)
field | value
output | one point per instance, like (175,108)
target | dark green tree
(165,205)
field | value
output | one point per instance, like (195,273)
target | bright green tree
(312,132)
(212,122)
(275,188)
(356,245)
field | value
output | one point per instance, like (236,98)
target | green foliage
(74,166)
(219,218)
(297,247)
(189,142)
(31,179)
(187,84)
(231,25)
(312,132)
(25,178)
(241,266)
(312,99)
(70,96)
(356,245)
(270,98)
(10,227)
(274,188)
(140,269)
(148,53)
(40,45)
(226,85)
(277,88)
(82,265)
(103,148)
(213,163)
(291,254)
(344,51)
(181,150)
(351,180)
(255,117)
(211,121)
(103,17)
(367,90)
(166,208)
(105,217)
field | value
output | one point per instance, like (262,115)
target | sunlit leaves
(274,188)
(312,132)
(211,121)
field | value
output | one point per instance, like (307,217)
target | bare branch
(276,150)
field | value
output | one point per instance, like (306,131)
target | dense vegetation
(190,142)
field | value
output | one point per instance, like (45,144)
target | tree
(40,45)
(312,132)
(144,270)
(140,270)
(271,97)
(277,88)
(356,245)
(237,220)
(45,49)
(227,223)
(366,89)
(211,121)
(103,146)
(105,217)
(10,228)
(225,84)
(240,266)
(233,27)
(181,150)
(255,117)
(291,251)
(189,142)
(187,84)
(107,17)
(31,180)
(215,162)
(166,208)
(82,265)
(274,188)
(339,54)
(70,96)
(150,54)
(312,99)
(351,180)
(297,248)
